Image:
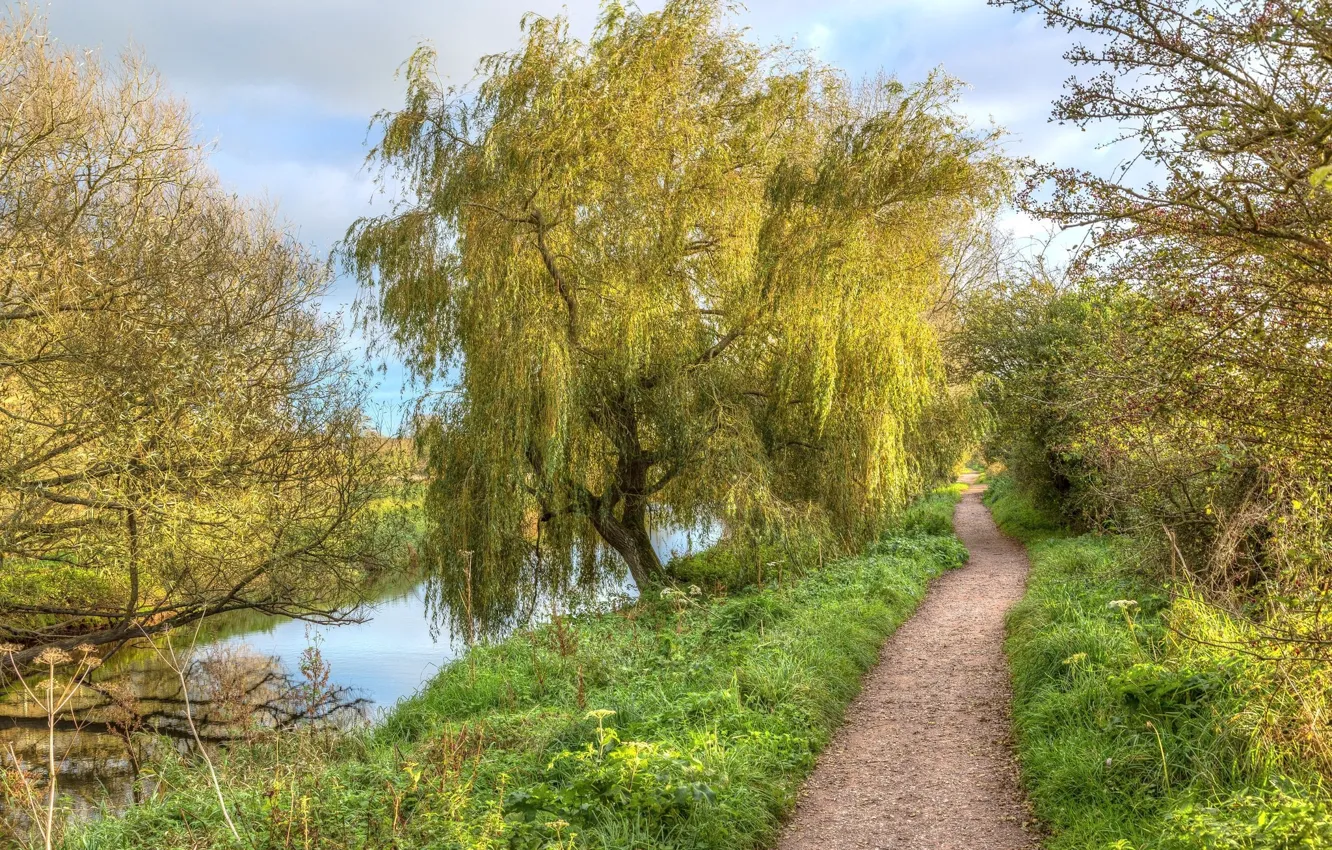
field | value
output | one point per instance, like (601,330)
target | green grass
(1127,737)
(686,721)
(1018,515)
(932,515)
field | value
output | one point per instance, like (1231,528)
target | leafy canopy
(670,269)
(1230,230)
(1181,389)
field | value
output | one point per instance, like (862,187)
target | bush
(932,515)
(1018,513)
(1280,818)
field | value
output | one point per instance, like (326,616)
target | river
(247,673)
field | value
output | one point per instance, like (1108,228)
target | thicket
(686,720)
(1171,384)
(181,430)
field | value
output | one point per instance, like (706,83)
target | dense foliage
(669,272)
(1174,382)
(685,720)
(667,277)
(1199,373)
(178,431)
(1225,220)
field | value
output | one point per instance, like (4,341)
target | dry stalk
(173,662)
(52,706)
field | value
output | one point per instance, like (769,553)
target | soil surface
(925,757)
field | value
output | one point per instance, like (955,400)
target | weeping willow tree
(668,273)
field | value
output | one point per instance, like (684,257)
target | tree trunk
(628,535)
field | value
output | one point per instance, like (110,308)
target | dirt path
(924,760)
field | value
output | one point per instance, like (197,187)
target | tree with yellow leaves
(671,275)
(180,434)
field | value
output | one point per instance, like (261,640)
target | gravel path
(925,760)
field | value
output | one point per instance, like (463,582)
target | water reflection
(233,693)
(255,673)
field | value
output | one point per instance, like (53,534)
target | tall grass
(1128,736)
(688,720)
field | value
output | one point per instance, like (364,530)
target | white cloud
(819,40)
(339,53)
(317,200)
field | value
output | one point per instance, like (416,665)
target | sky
(284,89)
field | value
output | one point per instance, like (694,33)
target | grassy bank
(686,721)
(1129,735)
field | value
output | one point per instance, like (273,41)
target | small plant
(1281,817)
(1127,608)
(538,669)
(223,676)
(469,631)
(558,827)
(124,719)
(680,600)
(565,639)
(178,664)
(600,716)
(641,778)
(53,697)
(315,689)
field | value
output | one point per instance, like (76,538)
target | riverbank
(1130,736)
(249,670)
(686,720)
